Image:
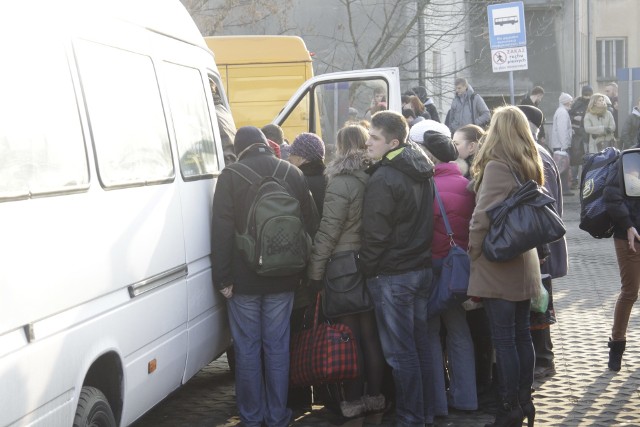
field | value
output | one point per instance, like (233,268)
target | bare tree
(218,17)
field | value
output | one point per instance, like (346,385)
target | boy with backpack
(263,220)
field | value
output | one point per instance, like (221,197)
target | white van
(109,153)
(108,162)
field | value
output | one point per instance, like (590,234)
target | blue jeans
(515,358)
(400,303)
(260,329)
(461,361)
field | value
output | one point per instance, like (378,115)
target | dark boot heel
(529,412)
(616,349)
(509,414)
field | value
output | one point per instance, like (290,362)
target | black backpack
(274,241)
(596,169)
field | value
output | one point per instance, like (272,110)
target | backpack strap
(285,172)
(473,113)
(256,177)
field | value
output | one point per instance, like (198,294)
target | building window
(612,54)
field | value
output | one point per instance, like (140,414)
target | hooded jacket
(467,109)
(561,131)
(341,224)
(398,213)
(230,215)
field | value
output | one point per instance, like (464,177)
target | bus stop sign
(506,25)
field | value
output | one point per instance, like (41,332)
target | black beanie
(534,114)
(247,136)
(587,90)
(440,146)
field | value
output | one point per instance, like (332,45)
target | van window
(126,116)
(42,148)
(191,121)
(330,105)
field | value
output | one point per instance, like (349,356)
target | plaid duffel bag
(324,354)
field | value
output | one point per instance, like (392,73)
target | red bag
(324,354)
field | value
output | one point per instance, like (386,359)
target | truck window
(191,121)
(42,148)
(125,115)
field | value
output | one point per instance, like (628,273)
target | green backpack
(274,241)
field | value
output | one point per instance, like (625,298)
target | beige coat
(515,280)
(596,127)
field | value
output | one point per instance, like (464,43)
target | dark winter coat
(624,211)
(314,174)
(631,129)
(230,214)
(341,224)
(398,213)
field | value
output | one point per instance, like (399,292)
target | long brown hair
(509,141)
(351,138)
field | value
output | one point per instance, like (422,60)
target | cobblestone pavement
(582,393)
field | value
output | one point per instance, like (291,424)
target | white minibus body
(109,153)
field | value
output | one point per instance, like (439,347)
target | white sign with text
(509,59)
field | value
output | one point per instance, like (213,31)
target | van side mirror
(631,172)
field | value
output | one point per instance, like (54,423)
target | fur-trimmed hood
(354,162)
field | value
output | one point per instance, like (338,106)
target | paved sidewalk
(582,393)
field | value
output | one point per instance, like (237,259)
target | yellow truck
(260,74)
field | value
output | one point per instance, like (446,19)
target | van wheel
(93,410)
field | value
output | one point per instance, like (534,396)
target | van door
(326,102)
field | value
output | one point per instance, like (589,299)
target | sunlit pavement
(583,392)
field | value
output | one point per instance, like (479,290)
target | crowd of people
(376,197)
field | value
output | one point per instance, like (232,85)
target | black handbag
(345,290)
(523,221)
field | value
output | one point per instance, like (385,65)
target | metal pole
(511,88)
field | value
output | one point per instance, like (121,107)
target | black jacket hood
(409,159)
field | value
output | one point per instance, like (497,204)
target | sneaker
(541,372)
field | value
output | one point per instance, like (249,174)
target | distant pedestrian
(631,128)
(625,212)
(561,134)
(275,133)
(429,105)
(599,124)
(506,288)
(467,107)
(534,98)
(580,138)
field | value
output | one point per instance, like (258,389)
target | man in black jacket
(259,307)
(396,257)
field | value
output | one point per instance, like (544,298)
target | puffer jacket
(514,280)
(458,203)
(341,224)
(398,213)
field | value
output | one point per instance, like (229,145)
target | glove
(316,285)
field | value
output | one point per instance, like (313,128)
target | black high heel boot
(526,403)
(509,414)
(616,349)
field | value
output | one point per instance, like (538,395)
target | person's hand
(227,292)
(632,235)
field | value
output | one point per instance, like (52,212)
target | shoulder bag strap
(443,212)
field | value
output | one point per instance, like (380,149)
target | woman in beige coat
(599,124)
(506,287)
(340,230)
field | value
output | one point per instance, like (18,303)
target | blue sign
(506,25)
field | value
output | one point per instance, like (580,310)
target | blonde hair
(509,140)
(351,138)
(591,108)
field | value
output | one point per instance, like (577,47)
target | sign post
(508,39)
